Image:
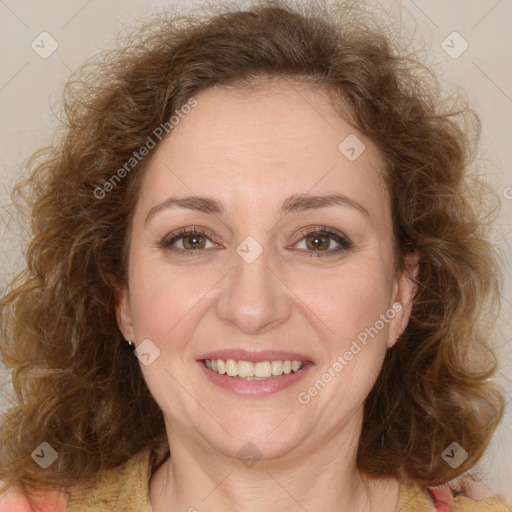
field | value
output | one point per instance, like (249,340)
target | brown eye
(186,241)
(194,241)
(318,241)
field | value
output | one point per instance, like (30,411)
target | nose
(253,297)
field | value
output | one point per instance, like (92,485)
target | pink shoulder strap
(442,498)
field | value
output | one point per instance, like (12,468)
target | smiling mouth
(246,370)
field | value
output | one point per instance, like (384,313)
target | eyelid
(189,230)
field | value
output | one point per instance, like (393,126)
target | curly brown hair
(77,384)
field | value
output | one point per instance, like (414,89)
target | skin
(250,150)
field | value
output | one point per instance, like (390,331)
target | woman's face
(253,170)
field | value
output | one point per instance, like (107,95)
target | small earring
(129,342)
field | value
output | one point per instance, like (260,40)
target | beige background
(30,89)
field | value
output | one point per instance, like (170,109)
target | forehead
(276,119)
(251,144)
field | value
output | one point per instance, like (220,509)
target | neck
(322,476)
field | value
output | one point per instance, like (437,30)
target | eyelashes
(325,233)
(194,241)
(184,233)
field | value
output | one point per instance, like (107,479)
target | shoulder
(13,500)
(466,496)
(415,498)
(489,504)
(122,488)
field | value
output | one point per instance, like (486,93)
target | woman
(256,281)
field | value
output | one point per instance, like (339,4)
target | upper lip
(255,356)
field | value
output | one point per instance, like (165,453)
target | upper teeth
(263,369)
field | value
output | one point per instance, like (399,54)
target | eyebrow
(294,203)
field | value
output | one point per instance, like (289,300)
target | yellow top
(126,489)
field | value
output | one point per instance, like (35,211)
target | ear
(123,314)
(404,290)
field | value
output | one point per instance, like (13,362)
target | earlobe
(123,316)
(405,291)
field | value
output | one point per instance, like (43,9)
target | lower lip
(255,388)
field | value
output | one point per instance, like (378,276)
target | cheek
(366,299)
(349,301)
(355,343)
(163,299)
